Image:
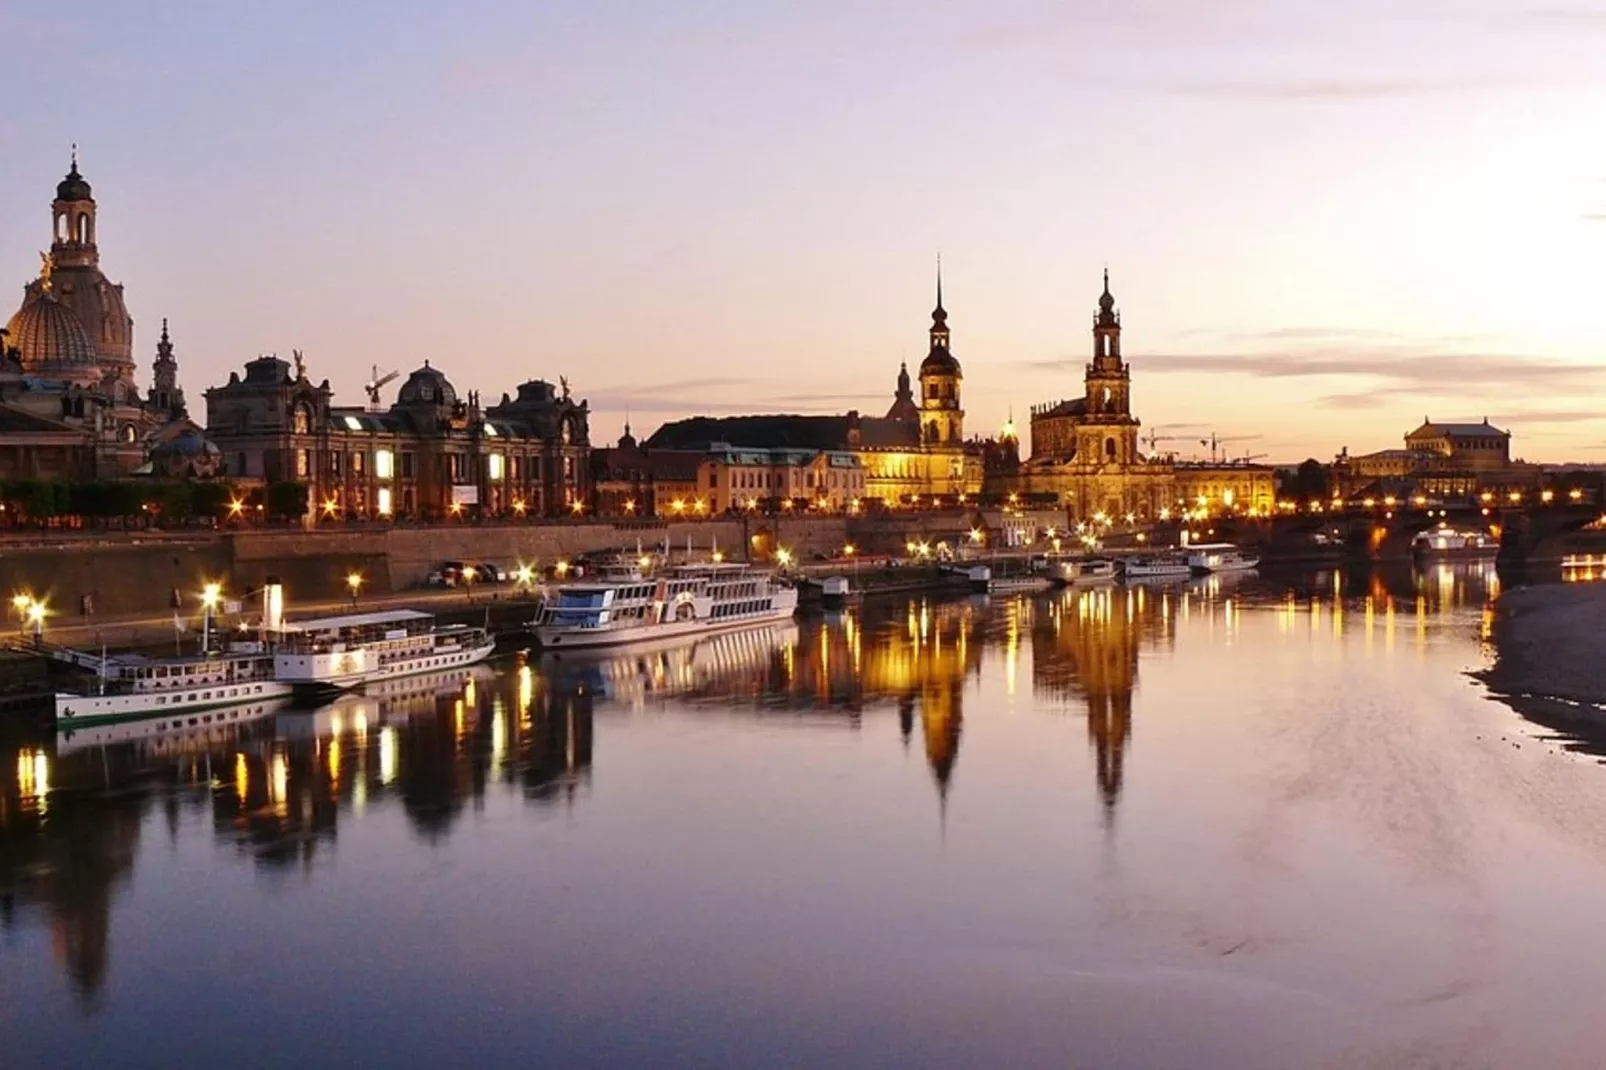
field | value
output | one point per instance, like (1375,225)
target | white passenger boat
(689,600)
(341,653)
(132,686)
(1156,566)
(168,731)
(1220,557)
(1086,572)
(1017,583)
(1446,541)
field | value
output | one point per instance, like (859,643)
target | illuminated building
(69,406)
(1085,455)
(1440,460)
(431,455)
(917,449)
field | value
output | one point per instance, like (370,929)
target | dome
(73,187)
(190,444)
(427,386)
(939,362)
(49,335)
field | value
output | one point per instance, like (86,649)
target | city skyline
(731,210)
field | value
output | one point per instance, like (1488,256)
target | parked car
(488,573)
(446,574)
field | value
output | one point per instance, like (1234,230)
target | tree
(209,499)
(1309,482)
(288,500)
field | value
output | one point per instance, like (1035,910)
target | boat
(1446,541)
(1086,572)
(1019,582)
(169,731)
(686,600)
(1220,557)
(132,686)
(332,654)
(1156,566)
(658,668)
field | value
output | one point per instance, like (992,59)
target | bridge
(1379,530)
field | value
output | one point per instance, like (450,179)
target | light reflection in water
(444,741)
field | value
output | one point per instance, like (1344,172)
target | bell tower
(72,220)
(1110,433)
(942,421)
(165,396)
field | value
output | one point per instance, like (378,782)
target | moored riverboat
(684,601)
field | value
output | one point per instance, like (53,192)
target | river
(1234,823)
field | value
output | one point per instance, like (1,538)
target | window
(384,501)
(357,465)
(495,465)
(301,420)
(384,464)
(303,464)
(407,465)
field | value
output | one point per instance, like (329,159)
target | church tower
(942,421)
(1110,433)
(166,397)
(77,281)
(72,220)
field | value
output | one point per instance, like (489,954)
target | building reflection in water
(1085,648)
(277,784)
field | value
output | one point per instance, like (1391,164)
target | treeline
(114,502)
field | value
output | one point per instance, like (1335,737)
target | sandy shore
(1550,647)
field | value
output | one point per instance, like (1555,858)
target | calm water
(1240,825)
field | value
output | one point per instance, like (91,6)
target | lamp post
(354,584)
(209,599)
(36,614)
(20,602)
(468,581)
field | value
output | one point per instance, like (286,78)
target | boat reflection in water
(276,786)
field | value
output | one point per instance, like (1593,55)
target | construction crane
(1251,458)
(1154,438)
(1215,442)
(375,381)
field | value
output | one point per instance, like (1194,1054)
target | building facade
(1441,461)
(1085,456)
(916,452)
(431,455)
(70,408)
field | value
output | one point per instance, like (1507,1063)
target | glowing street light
(525,576)
(36,614)
(331,508)
(783,557)
(578,507)
(236,507)
(354,584)
(20,602)
(519,506)
(561,569)
(211,594)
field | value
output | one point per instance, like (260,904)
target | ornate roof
(49,335)
(427,386)
(73,187)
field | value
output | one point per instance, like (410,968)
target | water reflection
(277,785)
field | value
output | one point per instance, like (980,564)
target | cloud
(1395,367)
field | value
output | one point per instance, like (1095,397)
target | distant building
(431,455)
(1084,451)
(629,479)
(917,450)
(1441,461)
(69,406)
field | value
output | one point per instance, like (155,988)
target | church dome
(427,386)
(49,335)
(73,187)
(940,362)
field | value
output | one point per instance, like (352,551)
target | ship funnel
(272,605)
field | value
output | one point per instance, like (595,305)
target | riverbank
(1550,652)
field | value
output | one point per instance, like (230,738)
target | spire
(939,282)
(165,344)
(75,157)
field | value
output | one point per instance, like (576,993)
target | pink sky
(1322,221)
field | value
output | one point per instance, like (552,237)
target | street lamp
(20,602)
(526,576)
(36,614)
(468,581)
(354,584)
(783,557)
(209,600)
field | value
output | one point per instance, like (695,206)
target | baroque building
(917,450)
(1441,461)
(1084,451)
(69,405)
(431,455)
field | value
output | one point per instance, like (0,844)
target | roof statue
(300,362)
(563,381)
(47,268)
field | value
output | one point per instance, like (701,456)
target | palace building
(1084,451)
(69,405)
(1441,461)
(430,455)
(917,450)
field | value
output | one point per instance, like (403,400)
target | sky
(1322,221)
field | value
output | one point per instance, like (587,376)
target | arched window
(129,434)
(83,228)
(302,420)
(61,227)
(1109,449)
